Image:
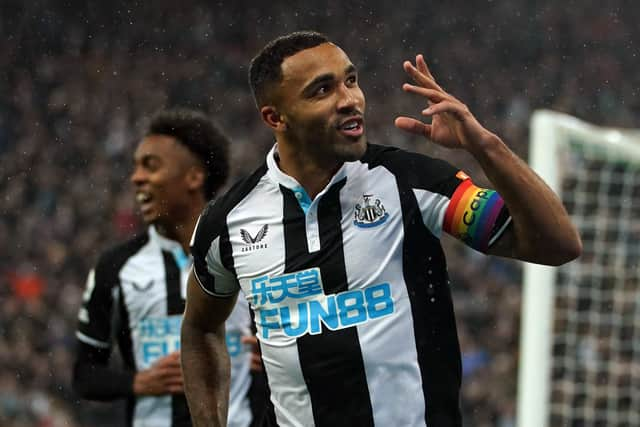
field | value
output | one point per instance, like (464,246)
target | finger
(431,94)
(176,389)
(175,382)
(414,126)
(421,64)
(249,340)
(169,364)
(418,77)
(447,106)
(170,373)
(168,359)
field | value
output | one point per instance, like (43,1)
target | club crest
(369,212)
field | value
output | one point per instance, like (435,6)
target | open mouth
(352,127)
(145,200)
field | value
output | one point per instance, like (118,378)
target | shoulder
(415,169)
(398,160)
(112,259)
(212,221)
(235,194)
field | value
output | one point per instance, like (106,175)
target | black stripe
(331,362)
(262,410)
(175,305)
(424,268)
(180,416)
(125,343)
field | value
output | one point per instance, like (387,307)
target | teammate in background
(335,243)
(140,286)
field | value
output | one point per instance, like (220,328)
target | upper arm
(212,261)
(203,311)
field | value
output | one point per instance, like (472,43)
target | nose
(348,98)
(138,176)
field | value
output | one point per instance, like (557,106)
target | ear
(273,118)
(195,178)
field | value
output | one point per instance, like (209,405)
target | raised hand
(163,377)
(452,123)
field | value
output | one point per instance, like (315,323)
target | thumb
(413,126)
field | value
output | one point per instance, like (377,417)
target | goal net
(580,333)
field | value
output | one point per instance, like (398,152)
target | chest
(349,233)
(152,285)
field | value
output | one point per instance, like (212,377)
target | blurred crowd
(80,79)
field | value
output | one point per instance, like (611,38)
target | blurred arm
(93,379)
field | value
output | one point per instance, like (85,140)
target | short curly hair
(196,131)
(265,68)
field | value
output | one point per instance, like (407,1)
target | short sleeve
(447,198)
(96,312)
(212,258)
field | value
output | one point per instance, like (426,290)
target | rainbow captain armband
(473,213)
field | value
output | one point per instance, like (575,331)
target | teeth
(142,197)
(350,125)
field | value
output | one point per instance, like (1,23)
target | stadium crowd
(80,78)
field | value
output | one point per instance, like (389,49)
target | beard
(349,152)
(325,144)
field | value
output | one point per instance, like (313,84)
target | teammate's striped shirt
(350,290)
(140,287)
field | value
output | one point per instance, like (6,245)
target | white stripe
(289,392)
(88,340)
(152,411)
(239,322)
(499,233)
(433,206)
(390,363)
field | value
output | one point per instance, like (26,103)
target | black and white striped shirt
(350,290)
(140,287)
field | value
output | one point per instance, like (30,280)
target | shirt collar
(164,242)
(278,176)
(175,248)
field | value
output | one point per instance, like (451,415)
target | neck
(182,230)
(310,171)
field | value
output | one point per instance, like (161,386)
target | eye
(352,79)
(322,90)
(151,164)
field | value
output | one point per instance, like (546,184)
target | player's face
(322,104)
(161,165)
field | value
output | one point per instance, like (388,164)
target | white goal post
(580,328)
